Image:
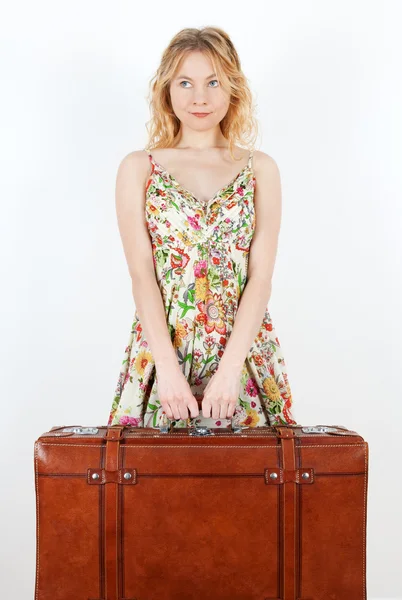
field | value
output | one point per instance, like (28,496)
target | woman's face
(195,88)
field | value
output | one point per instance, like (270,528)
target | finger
(175,410)
(194,407)
(182,405)
(223,410)
(231,410)
(216,409)
(183,411)
(206,408)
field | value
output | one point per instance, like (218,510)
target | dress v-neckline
(178,185)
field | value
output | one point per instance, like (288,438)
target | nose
(199,96)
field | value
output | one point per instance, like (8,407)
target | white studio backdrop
(327,81)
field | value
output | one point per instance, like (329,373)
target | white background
(327,81)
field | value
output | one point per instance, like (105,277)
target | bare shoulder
(130,201)
(132,175)
(268,194)
(264,164)
(134,164)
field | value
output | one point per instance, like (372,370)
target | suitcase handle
(194,429)
(166,426)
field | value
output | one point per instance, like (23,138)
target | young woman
(199,217)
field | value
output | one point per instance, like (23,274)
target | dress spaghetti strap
(250,159)
(249,163)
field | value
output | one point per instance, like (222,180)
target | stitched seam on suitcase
(245,446)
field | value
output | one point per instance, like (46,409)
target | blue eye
(185,81)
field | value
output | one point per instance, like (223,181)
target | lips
(200,114)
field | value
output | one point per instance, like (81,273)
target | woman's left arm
(262,257)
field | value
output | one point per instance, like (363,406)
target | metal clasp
(199,430)
(319,429)
(80,430)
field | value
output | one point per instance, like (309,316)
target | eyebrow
(189,78)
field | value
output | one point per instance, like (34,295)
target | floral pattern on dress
(200,255)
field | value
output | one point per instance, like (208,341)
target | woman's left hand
(221,394)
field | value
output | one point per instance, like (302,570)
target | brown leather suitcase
(267,513)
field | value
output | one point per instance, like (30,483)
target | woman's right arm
(132,176)
(131,179)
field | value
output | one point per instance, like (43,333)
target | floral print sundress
(200,255)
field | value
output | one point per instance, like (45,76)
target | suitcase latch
(319,429)
(200,430)
(80,430)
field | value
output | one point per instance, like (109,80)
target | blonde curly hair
(239,126)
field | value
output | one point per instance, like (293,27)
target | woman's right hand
(174,393)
